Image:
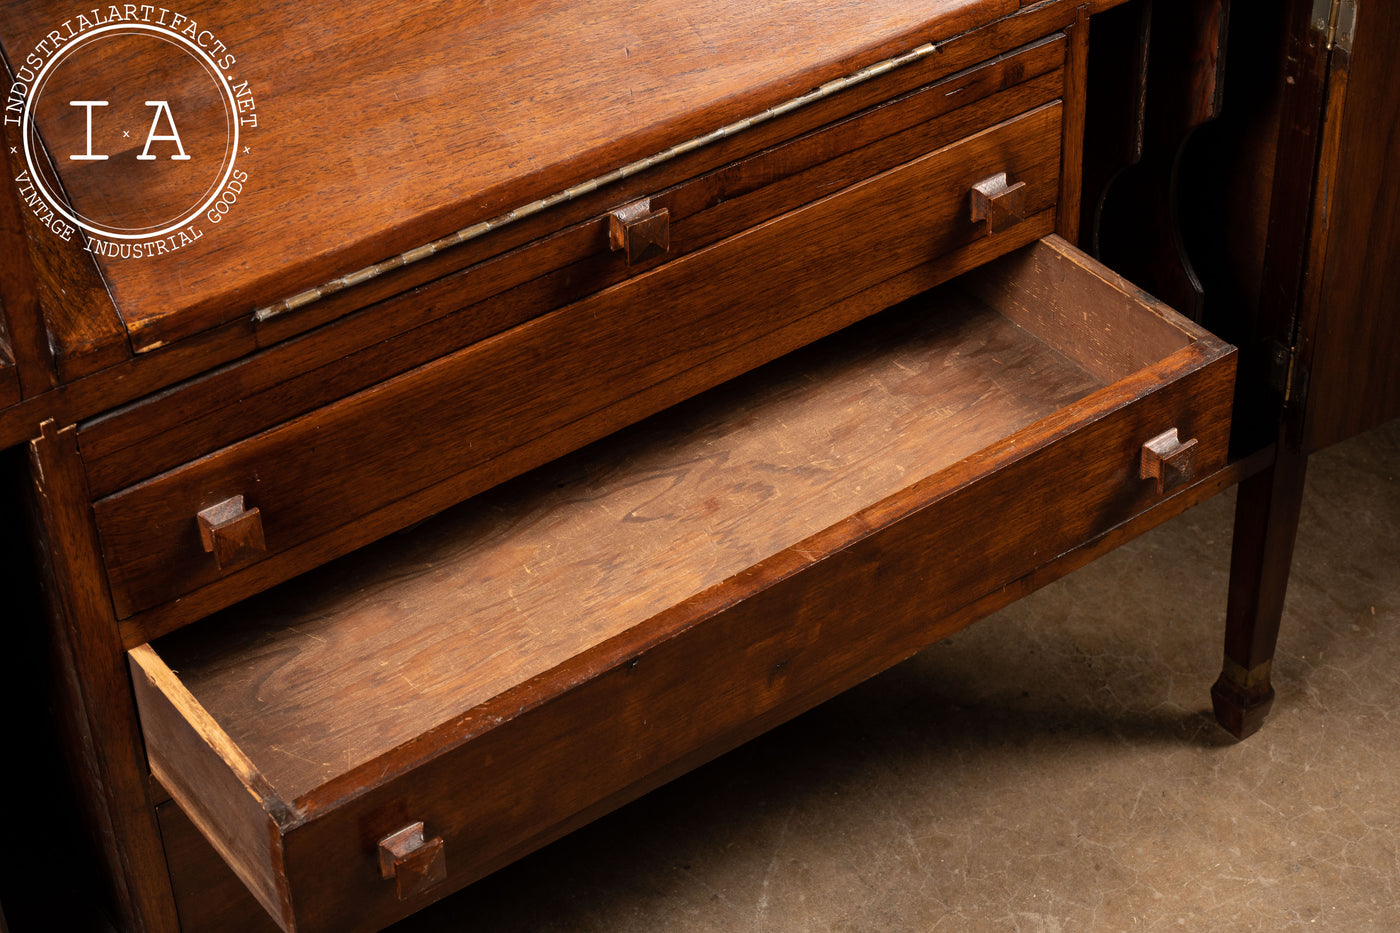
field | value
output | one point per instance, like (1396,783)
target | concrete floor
(1053,768)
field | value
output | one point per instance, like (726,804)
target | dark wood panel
(104,734)
(1227,176)
(23,325)
(1329,285)
(134,443)
(1115,111)
(66,323)
(1076,102)
(1183,91)
(1355,366)
(459,413)
(1291,272)
(208,895)
(9,375)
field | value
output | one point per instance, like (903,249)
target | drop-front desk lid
(214,159)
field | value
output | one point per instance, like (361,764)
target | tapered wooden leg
(1266,524)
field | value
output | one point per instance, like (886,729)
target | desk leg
(1266,524)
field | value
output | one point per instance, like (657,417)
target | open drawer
(401,722)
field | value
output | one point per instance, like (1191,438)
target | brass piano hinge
(1287,375)
(419,253)
(1337,20)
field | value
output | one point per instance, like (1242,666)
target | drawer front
(741,672)
(730,661)
(315,487)
(562,266)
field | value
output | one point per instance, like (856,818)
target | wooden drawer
(519,273)
(534,657)
(390,455)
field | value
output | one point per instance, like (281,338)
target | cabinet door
(1354,320)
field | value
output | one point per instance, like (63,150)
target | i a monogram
(162,110)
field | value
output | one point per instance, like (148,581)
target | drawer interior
(337,686)
(462,608)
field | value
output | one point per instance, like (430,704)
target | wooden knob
(1000,204)
(415,863)
(231,533)
(1168,460)
(640,231)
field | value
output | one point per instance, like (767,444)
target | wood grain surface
(242,811)
(1355,381)
(9,377)
(93,694)
(26,359)
(211,898)
(396,125)
(653,599)
(298,375)
(462,416)
(512,584)
(1091,314)
(158,367)
(208,896)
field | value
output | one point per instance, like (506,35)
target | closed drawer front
(264,509)
(533,658)
(514,285)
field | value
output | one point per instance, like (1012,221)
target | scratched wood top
(343,665)
(394,124)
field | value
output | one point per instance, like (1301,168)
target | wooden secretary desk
(443,424)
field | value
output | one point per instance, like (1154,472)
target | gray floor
(1053,768)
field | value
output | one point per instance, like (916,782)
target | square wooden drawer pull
(231,533)
(1169,460)
(414,862)
(1001,204)
(640,231)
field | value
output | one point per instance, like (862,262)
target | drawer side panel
(213,781)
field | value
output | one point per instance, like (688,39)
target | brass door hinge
(1287,375)
(1336,19)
